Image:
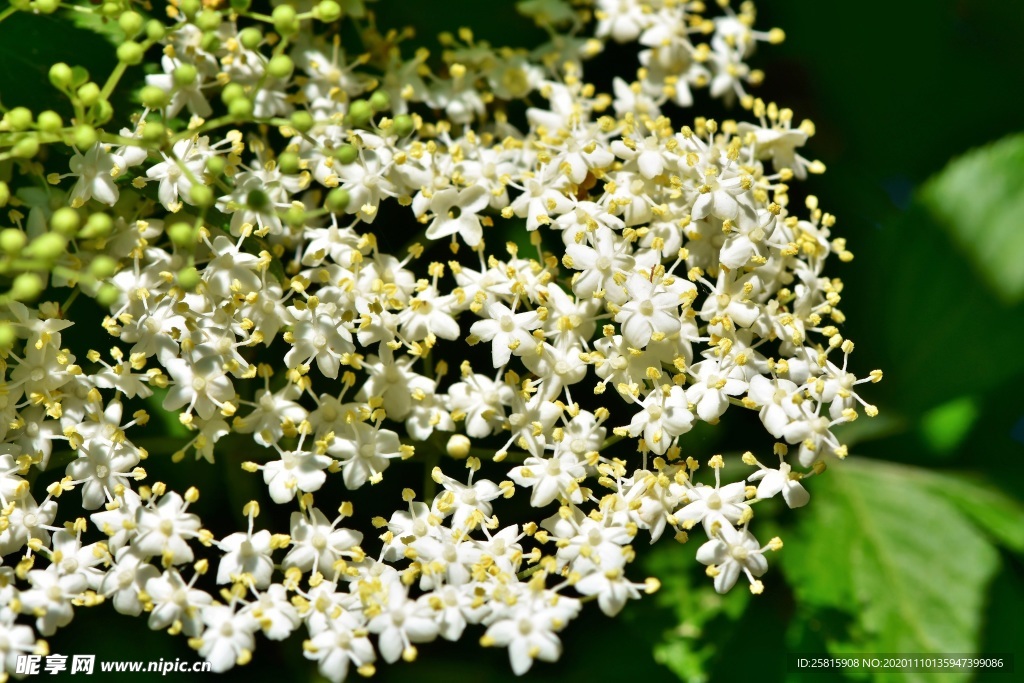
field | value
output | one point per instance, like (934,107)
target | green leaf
(704,618)
(881,544)
(979,198)
(996,513)
(946,426)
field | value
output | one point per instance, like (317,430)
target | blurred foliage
(892,557)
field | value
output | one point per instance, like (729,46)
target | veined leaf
(881,544)
(979,198)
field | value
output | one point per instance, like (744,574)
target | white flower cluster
(263,288)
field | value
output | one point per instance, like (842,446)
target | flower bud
(288,162)
(346,154)
(130,52)
(5,194)
(12,240)
(380,101)
(202,196)
(250,38)
(327,11)
(27,286)
(48,246)
(184,75)
(155,30)
(240,107)
(61,75)
(286,21)
(65,221)
(215,166)
(98,224)
(89,94)
(402,125)
(182,235)
(131,23)
(19,119)
(26,148)
(102,267)
(84,136)
(302,121)
(47,6)
(188,278)
(280,66)
(190,7)
(231,92)
(153,97)
(208,20)
(295,216)
(7,335)
(337,200)
(107,295)
(49,121)
(360,112)
(458,446)
(154,131)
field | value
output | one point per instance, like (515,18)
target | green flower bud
(130,52)
(188,278)
(191,7)
(231,92)
(27,286)
(337,200)
(7,335)
(302,121)
(89,94)
(26,148)
(286,21)
(295,216)
(360,112)
(215,166)
(240,108)
(97,225)
(61,75)
(155,30)
(257,200)
(250,38)
(66,221)
(403,125)
(288,162)
(208,20)
(48,246)
(153,97)
(19,119)
(380,101)
(102,112)
(110,9)
(328,11)
(184,75)
(5,194)
(84,136)
(280,66)
(154,132)
(182,235)
(211,41)
(12,240)
(49,121)
(47,6)
(102,267)
(131,23)
(107,295)
(346,154)
(201,195)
